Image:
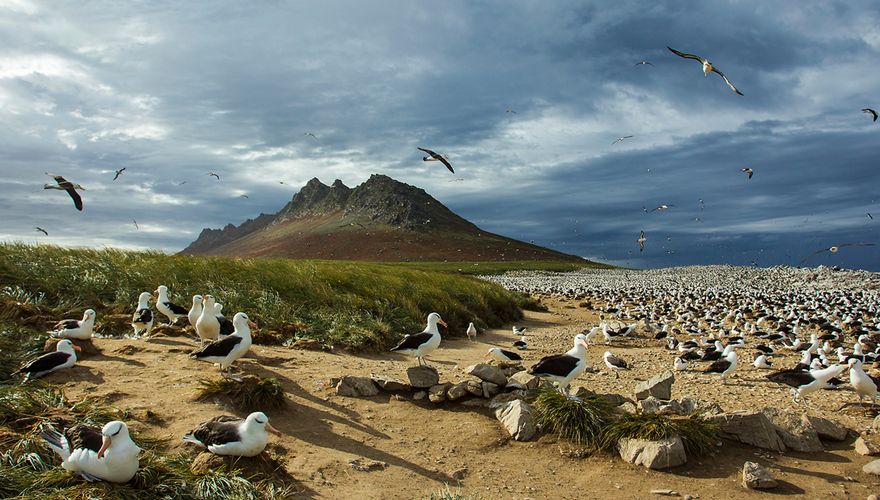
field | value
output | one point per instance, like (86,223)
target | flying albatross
(234,436)
(747,170)
(563,368)
(118,173)
(106,454)
(835,249)
(420,344)
(621,139)
(707,67)
(39,229)
(870,112)
(642,241)
(65,185)
(432,156)
(63,357)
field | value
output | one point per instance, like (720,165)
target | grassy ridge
(498,267)
(354,305)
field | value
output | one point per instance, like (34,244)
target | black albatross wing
(413,341)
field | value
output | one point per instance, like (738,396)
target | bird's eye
(259,421)
(117,431)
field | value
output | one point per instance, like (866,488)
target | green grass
(697,434)
(352,305)
(251,394)
(499,267)
(581,421)
(447,493)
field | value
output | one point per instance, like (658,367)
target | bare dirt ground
(424,445)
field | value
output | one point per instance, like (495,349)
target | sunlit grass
(698,434)
(251,394)
(581,421)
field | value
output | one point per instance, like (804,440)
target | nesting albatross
(63,357)
(107,454)
(234,436)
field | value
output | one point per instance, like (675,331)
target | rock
(749,427)
(490,390)
(356,387)
(422,377)
(627,407)
(437,393)
(827,429)
(504,398)
(519,420)
(459,474)
(796,433)
(875,425)
(509,369)
(656,455)
(420,395)
(475,403)
(458,391)
(659,386)
(872,468)
(523,380)
(756,477)
(487,373)
(87,347)
(867,444)
(367,465)
(390,384)
(475,388)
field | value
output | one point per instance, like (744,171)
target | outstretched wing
(817,252)
(77,200)
(727,81)
(685,55)
(430,153)
(445,162)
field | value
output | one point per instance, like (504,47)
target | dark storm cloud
(175,90)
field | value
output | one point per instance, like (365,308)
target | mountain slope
(380,220)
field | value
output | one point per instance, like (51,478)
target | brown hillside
(380,220)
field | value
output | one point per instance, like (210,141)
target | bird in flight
(508,110)
(747,170)
(702,205)
(870,112)
(869,215)
(215,175)
(641,241)
(38,228)
(70,187)
(621,139)
(315,137)
(697,219)
(707,67)
(432,156)
(644,63)
(181,183)
(835,249)
(136,225)
(245,196)
(662,207)
(118,173)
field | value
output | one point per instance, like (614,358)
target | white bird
(804,382)
(108,454)
(233,436)
(63,357)
(471,331)
(421,344)
(614,363)
(724,366)
(563,368)
(228,349)
(519,331)
(679,364)
(195,311)
(207,325)
(861,382)
(168,308)
(81,329)
(707,67)
(504,356)
(521,344)
(589,336)
(761,361)
(142,319)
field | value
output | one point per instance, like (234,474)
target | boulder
(458,391)
(659,386)
(356,387)
(867,444)
(875,425)
(490,390)
(627,407)
(420,395)
(487,373)
(872,468)
(504,398)
(422,377)
(756,477)
(437,393)
(509,369)
(523,380)
(828,430)
(87,347)
(749,427)
(474,388)
(796,433)
(390,384)
(518,418)
(656,455)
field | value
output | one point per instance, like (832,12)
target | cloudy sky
(172,91)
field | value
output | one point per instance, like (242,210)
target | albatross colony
(807,325)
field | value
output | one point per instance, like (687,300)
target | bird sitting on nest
(233,436)
(80,329)
(106,454)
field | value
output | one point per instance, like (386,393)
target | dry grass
(251,394)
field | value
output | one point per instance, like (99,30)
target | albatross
(503,355)
(142,319)
(420,344)
(805,382)
(707,67)
(870,112)
(106,454)
(471,331)
(228,349)
(563,368)
(65,185)
(168,308)
(835,249)
(614,363)
(642,241)
(747,170)
(63,357)
(80,329)
(432,156)
(118,173)
(233,436)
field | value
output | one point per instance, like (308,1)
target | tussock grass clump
(698,434)
(447,493)
(581,421)
(251,394)
(352,305)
